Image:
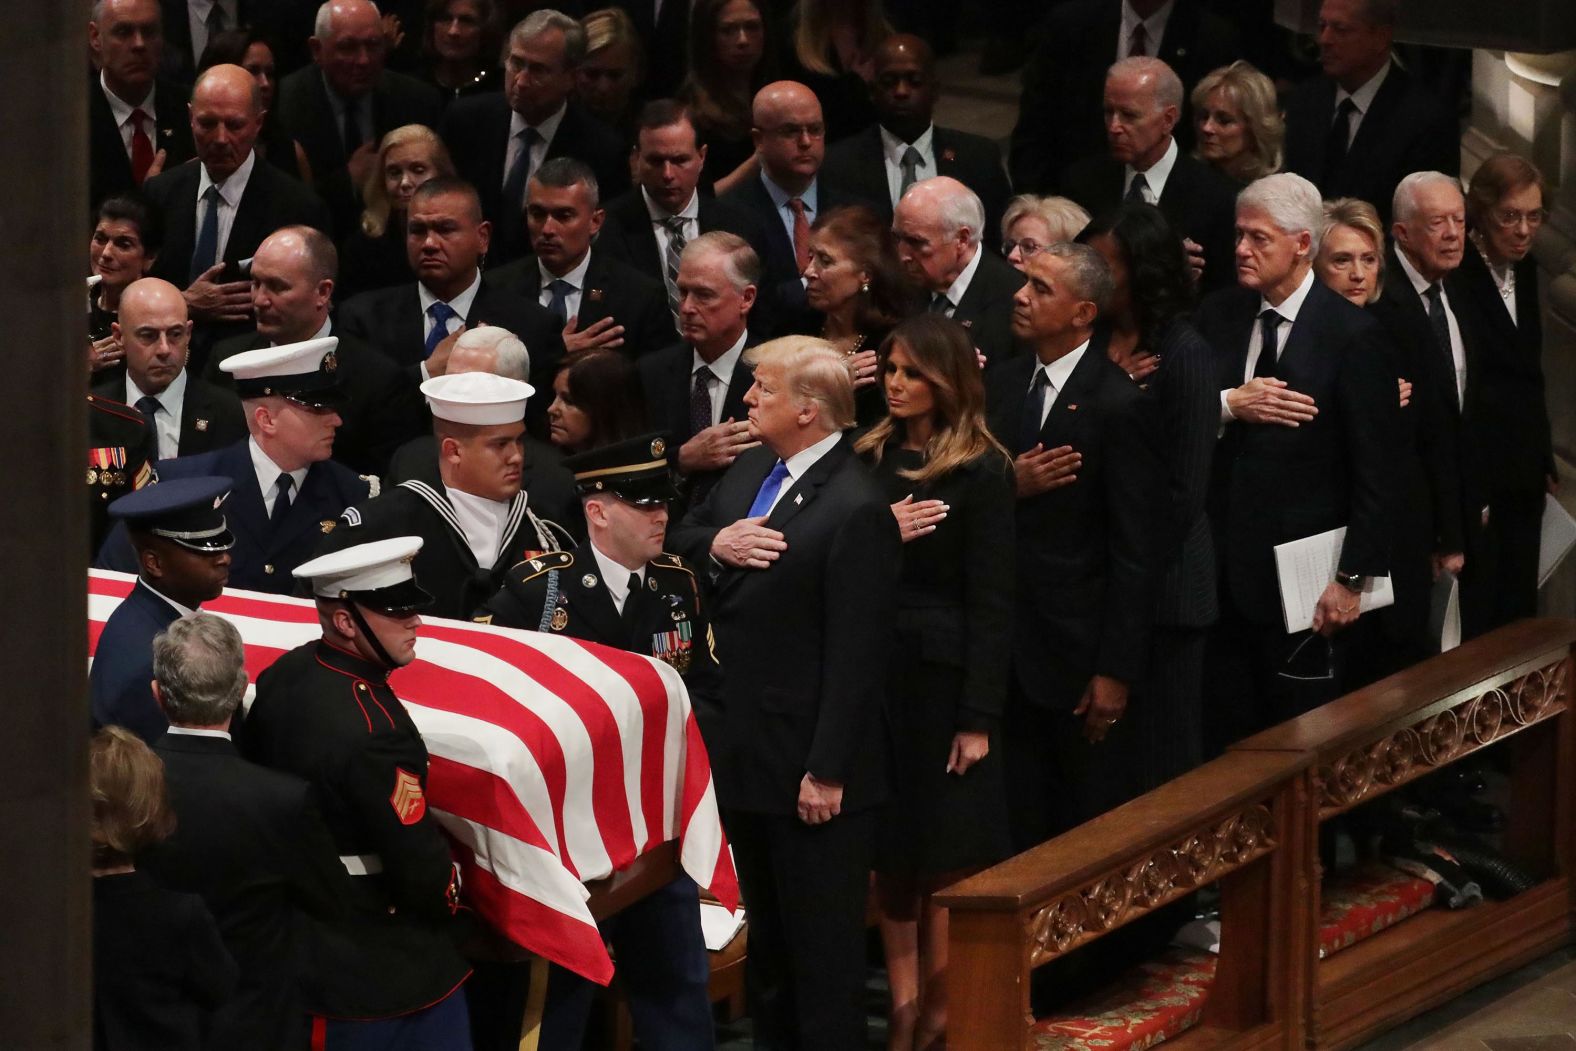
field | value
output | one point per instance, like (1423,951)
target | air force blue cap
(183,510)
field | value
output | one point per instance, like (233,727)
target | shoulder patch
(407,799)
(546,562)
(352,517)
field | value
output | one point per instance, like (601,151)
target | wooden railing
(1248,822)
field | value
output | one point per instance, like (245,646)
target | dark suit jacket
(806,700)
(1086,552)
(628,234)
(1059,114)
(1406,129)
(986,308)
(858,164)
(665,39)
(476,130)
(612,289)
(1273,484)
(251,841)
(211,416)
(123,663)
(383,407)
(109,170)
(1200,203)
(308,115)
(666,378)
(543,478)
(262,559)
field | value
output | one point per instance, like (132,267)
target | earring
(865,287)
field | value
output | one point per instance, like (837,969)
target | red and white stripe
(553,762)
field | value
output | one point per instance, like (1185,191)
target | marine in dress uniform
(183,555)
(120,460)
(620,590)
(386,974)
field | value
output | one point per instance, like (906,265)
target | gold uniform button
(269,569)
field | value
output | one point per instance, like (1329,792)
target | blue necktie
(207,237)
(559,303)
(768,491)
(440,314)
(519,172)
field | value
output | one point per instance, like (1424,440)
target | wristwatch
(1352,582)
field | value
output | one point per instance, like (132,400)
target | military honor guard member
(182,547)
(476,522)
(620,590)
(387,973)
(120,459)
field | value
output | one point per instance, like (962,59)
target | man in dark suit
(1360,128)
(188,27)
(1086,557)
(1308,425)
(883,161)
(137,123)
(249,840)
(217,212)
(411,325)
(649,226)
(797,532)
(1142,161)
(789,196)
(293,278)
(340,107)
(1059,111)
(498,140)
(181,547)
(186,414)
(695,389)
(601,302)
(939,224)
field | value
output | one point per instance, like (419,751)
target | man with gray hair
(340,107)
(1306,446)
(499,139)
(938,225)
(798,532)
(249,840)
(1084,547)
(1143,163)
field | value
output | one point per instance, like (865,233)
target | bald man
(133,115)
(217,212)
(185,414)
(787,198)
(1143,162)
(905,146)
(342,105)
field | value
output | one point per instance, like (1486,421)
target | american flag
(553,762)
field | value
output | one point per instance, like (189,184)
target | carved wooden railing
(1249,823)
(1509,689)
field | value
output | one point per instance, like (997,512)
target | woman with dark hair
(253,52)
(1147,334)
(608,80)
(855,282)
(459,43)
(728,64)
(596,400)
(830,46)
(125,243)
(374,255)
(951,486)
(160,970)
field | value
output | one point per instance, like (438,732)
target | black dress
(949,671)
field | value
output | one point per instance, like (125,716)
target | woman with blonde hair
(608,80)
(1030,223)
(951,487)
(830,46)
(1239,123)
(1351,252)
(374,255)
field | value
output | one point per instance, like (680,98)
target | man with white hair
(798,532)
(1306,444)
(1143,163)
(340,107)
(938,225)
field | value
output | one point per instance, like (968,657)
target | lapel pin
(596,295)
(966,324)
(949,155)
(589,580)
(1072,408)
(798,499)
(560,619)
(201,425)
(651,582)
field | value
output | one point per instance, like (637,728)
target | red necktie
(141,148)
(801,234)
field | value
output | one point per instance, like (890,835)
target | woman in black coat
(951,487)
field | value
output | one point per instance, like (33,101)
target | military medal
(93,476)
(560,619)
(651,582)
(674,647)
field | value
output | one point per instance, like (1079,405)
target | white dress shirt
(892,150)
(1288,309)
(197,20)
(616,576)
(780,197)
(1458,350)
(268,474)
(576,279)
(1362,98)
(230,193)
(1155,177)
(192,731)
(482,521)
(544,140)
(1154,29)
(168,418)
(1057,373)
(690,213)
(176,606)
(960,284)
(721,374)
(120,109)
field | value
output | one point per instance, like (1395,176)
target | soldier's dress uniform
(329,715)
(121,451)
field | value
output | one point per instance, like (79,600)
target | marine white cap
(478,398)
(362,569)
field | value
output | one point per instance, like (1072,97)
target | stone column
(45,950)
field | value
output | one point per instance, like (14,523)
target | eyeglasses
(1310,663)
(791,132)
(1026,248)
(1508,219)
